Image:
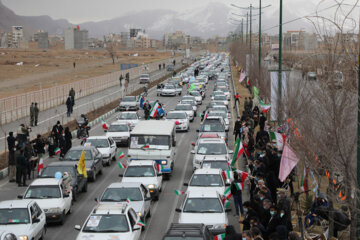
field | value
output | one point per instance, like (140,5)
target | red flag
(288,162)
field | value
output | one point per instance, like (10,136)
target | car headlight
(163,162)
(219,226)
(223,138)
(151,186)
(54,210)
(139,214)
(23,237)
(88,169)
(228,181)
(106,155)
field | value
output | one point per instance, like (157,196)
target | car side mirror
(178,210)
(105,130)
(96,199)
(121,175)
(227,184)
(35,220)
(148,199)
(227,209)
(197,130)
(77,227)
(159,174)
(136,228)
(186,184)
(192,152)
(20,196)
(231,151)
(66,195)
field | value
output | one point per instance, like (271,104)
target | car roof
(209,135)
(46,182)
(207,171)
(177,111)
(180,104)
(141,163)
(211,140)
(23,203)
(86,148)
(98,137)
(202,193)
(119,123)
(113,208)
(124,184)
(186,229)
(148,127)
(62,163)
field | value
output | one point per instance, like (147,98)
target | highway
(162,211)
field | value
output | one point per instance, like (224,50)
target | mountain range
(205,22)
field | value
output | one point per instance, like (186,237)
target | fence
(18,106)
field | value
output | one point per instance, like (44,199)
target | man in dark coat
(237,128)
(69,106)
(21,168)
(249,213)
(147,109)
(36,113)
(57,131)
(237,194)
(12,163)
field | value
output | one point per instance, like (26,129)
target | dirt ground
(46,68)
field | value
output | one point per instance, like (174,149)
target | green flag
(256,92)
(192,87)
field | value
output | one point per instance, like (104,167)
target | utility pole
(358,135)
(242,31)
(247,28)
(280,65)
(250,26)
(259,36)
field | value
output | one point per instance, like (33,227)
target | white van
(154,140)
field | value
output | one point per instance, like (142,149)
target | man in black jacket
(237,127)
(249,213)
(237,194)
(12,163)
(21,168)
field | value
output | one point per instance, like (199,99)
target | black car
(188,231)
(78,182)
(93,159)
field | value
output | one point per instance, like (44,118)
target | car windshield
(188,102)
(213,126)
(188,98)
(206,180)
(107,223)
(121,195)
(195,93)
(43,192)
(140,171)
(212,148)
(98,143)
(129,99)
(203,205)
(218,108)
(220,97)
(14,216)
(223,165)
(173,115)
(221,114)
(148,142)
(169,87)
(74,155)
(183,107)
(50,171)
(224,90)
(144,76)
(127,115)
(118,128)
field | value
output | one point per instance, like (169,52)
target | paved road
(86,104)
(163,211)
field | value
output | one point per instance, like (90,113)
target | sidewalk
(86,104)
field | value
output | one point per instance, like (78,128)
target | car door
(41,216)
(35,227)
(98,159)
(112,148)
(147,198)
(66,198)
(158,177)
(134,219)
(80,180)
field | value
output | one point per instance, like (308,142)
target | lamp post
(280,64)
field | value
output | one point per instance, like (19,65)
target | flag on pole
(226,203)
(142,101)
(192,87)
(121,165)
(220,237)
(226,174)
(178,192)
(242,77)
(303,184)
(238,186)
(46,147)
(105,126)
(239,149)
(121,155)
(145,146)
(256,92)
(81,168)
(159,167)
(141,224)
(57,151)
(128,200)
(227,193)
(154,110)
(264,107)
(288,162)
(248,81)
(279,139)
(40,166)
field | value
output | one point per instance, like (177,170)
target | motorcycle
(82,129)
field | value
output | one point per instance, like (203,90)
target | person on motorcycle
(145,90)
(82,124)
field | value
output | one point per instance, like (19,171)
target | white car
(198,97)
(210,179)
(146,172)
(51,197)
(222,98)
(204,207)
(208,148)
(180,119)
(24,218)
(7,236)
(168,90)
(219,162)
(119,132)
(130,118)
(187,108)
(220,114)
(190,97)
(135,194)
(111,221)
(105,145)
(191,102)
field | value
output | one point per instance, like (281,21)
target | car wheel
(85,187)
(109,162)
(148,214)
(62,218)
(74,192)
(70,210)
(42,235)
(100,172)
(93,177)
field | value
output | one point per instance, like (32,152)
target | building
(134,32)
(43,39)
(176,40)
(76,38)
(124,36)
(299,40)
(17,35)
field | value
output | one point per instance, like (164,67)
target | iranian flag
(178,192)
(140,223)
(303,185)
(239,149)
(226,174)
(248,81)
(226,203)
(40,166)
(145,146)
(154,110)
(121,155)
(57,151)
(264,107)
(239,186)
(279,139)
(220,237)
(105,126)
(159,167)
(46,147)
(227,193)
(128,200)
(121,165)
